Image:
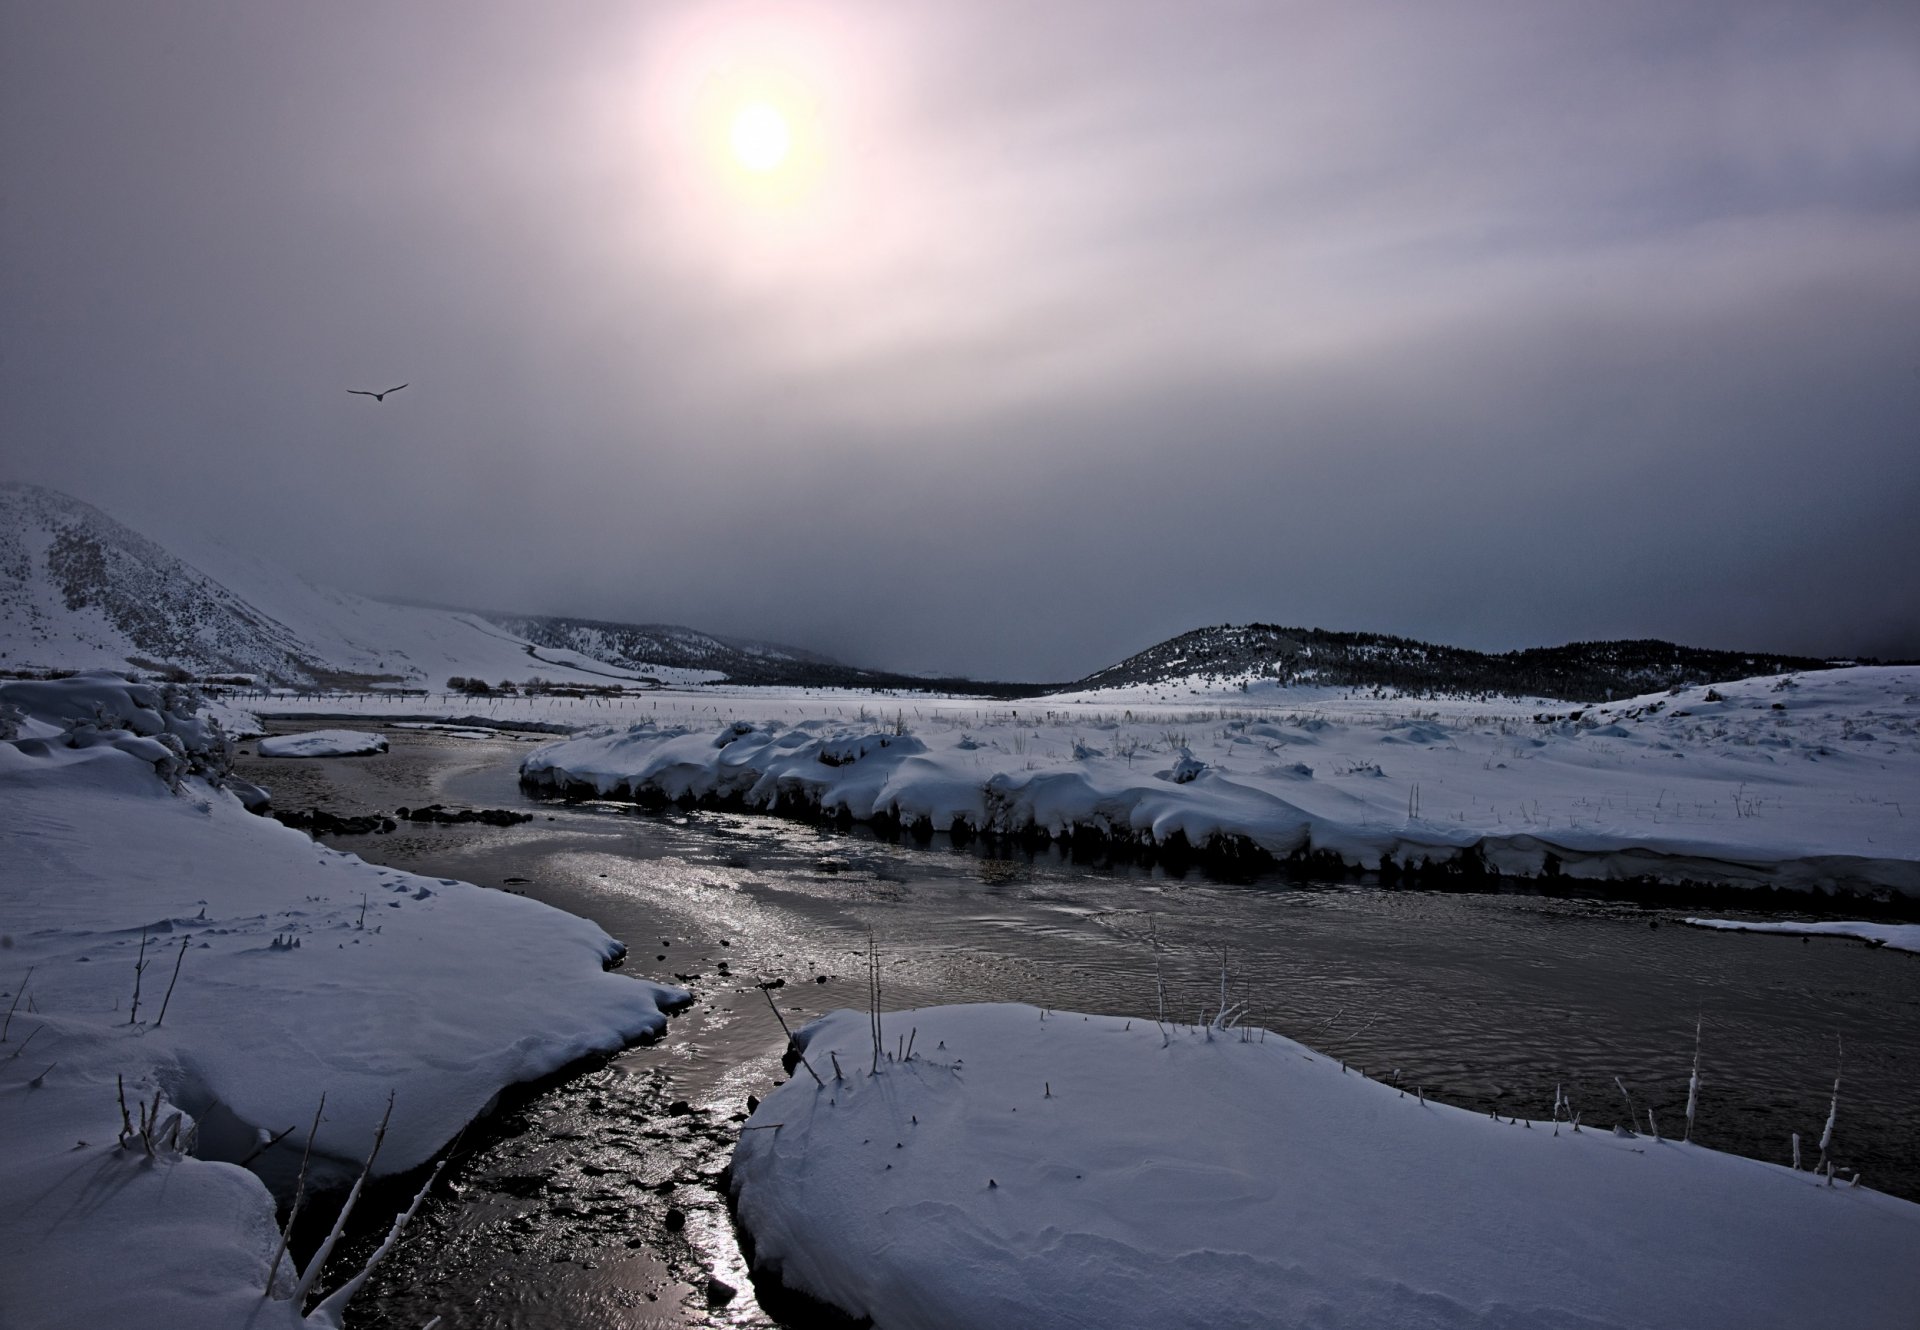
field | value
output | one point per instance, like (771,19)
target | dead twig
(170,983)
(24,1042)
(311,1275)
(18,994)
(267,1145)
(139,968)
(299,1195)
(792,1043)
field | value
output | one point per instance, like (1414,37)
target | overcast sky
(1058,329)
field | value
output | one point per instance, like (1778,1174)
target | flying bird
(378,397)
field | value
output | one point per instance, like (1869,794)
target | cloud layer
(1084,323)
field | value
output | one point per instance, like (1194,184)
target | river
(596,1201)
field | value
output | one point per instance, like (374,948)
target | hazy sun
(760,137)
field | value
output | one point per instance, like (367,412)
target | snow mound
(1025,1167)
(269,970)
(323,743)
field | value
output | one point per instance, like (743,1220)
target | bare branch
(333,1307)
(299,1195)
(311,1275)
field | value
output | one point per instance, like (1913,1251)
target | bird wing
(393,390)
(362,392)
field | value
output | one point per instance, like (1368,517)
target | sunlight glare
(760,137)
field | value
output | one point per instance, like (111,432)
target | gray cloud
(1098,321)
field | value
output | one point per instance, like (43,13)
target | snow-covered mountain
(80,590)
(1229,655)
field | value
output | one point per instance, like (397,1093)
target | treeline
(538,687)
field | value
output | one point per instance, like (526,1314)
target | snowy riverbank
(1901,937)
(1803,783)
(301,971)
(1023,1167)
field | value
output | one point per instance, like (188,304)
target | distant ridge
(1579,671)
(79,590)
(739,660)
(639,645)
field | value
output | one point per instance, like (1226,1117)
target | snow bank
(301,972)
(1901,937)
(1788,782)
(238,722)
(1024,1168)
(323,743)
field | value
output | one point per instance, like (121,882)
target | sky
(1054,330)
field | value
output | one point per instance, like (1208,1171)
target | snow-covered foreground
(1023,1168)
(323,743)
(1809,782)
(1901,937)
(276,971)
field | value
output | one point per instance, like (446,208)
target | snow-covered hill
(1260,654)
(79,590)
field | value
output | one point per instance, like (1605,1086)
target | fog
(1063,328)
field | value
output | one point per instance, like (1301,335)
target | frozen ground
(1022,1167)
(1801,782)
(300,972)
(323,743)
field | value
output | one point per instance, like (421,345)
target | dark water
(1489,1001)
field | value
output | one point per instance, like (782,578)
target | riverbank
(958,1167)
(169,950)
(1786,787)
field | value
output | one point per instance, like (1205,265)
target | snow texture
(1029,1168)
(1798,782)
(323,743)
(301,971)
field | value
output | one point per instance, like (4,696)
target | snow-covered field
(1026,1168)
(1803,782)
(275,971)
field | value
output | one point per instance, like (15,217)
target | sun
(760,137)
